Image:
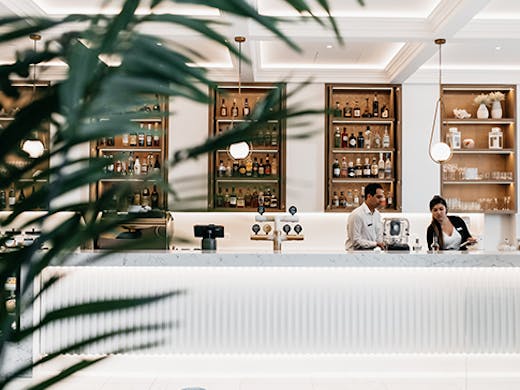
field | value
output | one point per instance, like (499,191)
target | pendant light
(33,146)
(239,150)
(439,152)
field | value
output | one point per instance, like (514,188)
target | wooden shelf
(260,144)
(481,157)
(343,97)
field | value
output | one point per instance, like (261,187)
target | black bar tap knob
(292,210)
(286,228)
(256,228)
(298,228)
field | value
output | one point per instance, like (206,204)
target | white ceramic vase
(496,110)
(482,112)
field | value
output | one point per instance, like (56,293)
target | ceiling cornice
(23,8)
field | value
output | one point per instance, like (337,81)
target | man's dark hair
(372,188)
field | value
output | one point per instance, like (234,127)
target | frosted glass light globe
(33,147)
(440,152)
(239,150)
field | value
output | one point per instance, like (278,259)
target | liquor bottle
(357,110)
(241,202)
(368,138)
(137,166)
(337,138)
(255,167)
(254,198)
(356,200)
(140,136)
(374,168)
(349,200)
(110,141)
(366,168)
(3,200)
(149,136)
(125,139)
(267,137)
(248,198)
(386,138)
(351,172)
(344,138)
(227,200)
(155,197)
(235,168)
(274,136)
(156,135)
(344,168)
(242,168)
(219,198)
(12,197)
(157,165)
(131,163)
(347,110)
(260,198)
(342,199)
(261,168)
(223,108)
(246,110)
(229,168)
(267,198)
(274,166)
(133,139)
(366,113)
(337,111)
(249,167)
(362,194)
(267,166)
(144,167)
(389,200)
(335,200)
(375,106)
(233,198)
(335,168)
(352,141)
(21,196)
(388,167)
(358,168)
(360,140)
(274,200)
(385,113)
(377,140)
(145,197)
(234,109)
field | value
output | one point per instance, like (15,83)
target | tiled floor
(227,372)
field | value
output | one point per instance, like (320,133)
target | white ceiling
(385,41)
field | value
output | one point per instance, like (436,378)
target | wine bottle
(155,197)
(157,165)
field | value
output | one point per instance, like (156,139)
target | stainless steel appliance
(396,232)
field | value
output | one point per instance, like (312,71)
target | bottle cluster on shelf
(366,139)
(249,167)
(130,164)
(241,107)
(265,137)
(353,197)
(249,197)
(354,168)
(370,110)
(146,137)
(13,196)
(142,195)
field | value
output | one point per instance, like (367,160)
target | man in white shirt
(364,226)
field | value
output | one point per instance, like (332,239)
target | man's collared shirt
(364,228)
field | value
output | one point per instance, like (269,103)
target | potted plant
(482,101)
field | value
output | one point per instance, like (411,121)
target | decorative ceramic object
(468,143)
(496,110)
(482,112)
(460,113)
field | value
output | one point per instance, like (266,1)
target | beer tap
(278,233)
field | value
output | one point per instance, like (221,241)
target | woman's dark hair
(437,199)
(437,228)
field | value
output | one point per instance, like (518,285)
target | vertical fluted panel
(296,310)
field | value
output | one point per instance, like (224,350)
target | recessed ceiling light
(329,46)
(498,47)
(159,43)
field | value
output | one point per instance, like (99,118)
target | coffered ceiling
(385,41)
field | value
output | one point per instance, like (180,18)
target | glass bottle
(386,138)
(246,110)
(344,138)
(347,110)
(381,167)
(233,198)
(388,167)
(335,200)
(337,111)
(360,140)
(335,168)
(352,141)
(234,108)
(375,106)
(223,108)
(155,197)
(274,166)
(337,138)
(344,168)
(366,113)
(357,110)
(374,168)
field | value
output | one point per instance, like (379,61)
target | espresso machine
(396,232)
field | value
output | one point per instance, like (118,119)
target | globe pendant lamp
(33,146)
(239,150)
(439,152)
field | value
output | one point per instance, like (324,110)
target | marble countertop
(194,258)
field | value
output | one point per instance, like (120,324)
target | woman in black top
(450,231)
